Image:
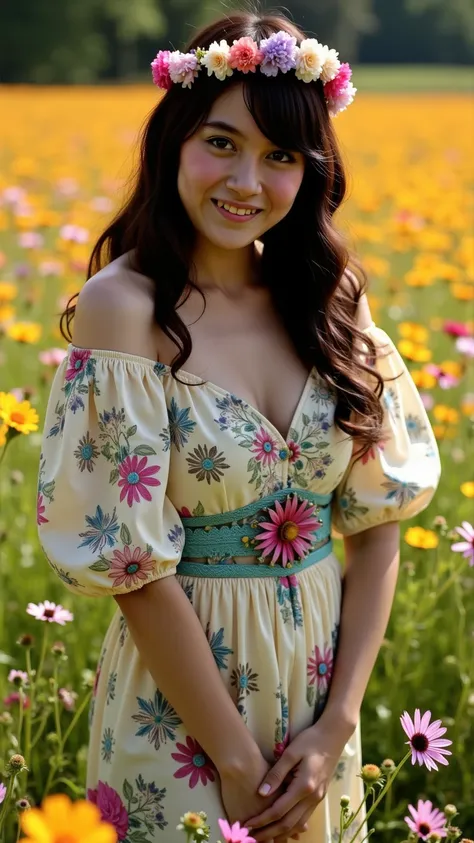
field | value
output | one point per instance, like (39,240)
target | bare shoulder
(114,311)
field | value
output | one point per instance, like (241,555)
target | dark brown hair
(304,248)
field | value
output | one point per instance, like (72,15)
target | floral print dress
(128,452)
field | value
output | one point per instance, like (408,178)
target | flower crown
(278,53)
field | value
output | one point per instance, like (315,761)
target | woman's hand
(311,758)
(239,791)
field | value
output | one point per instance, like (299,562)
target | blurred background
(75,89)
(114,40)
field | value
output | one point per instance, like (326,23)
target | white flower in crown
(216,59)
(331,66)
(310,58)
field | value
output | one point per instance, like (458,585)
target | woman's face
(234,183)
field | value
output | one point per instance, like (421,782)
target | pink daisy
(18,677)
(290,532)
(426,820)
(465,547)
(426,743)
(196,763)
(129,568)
(320,668)
(50,612)
(77,362)
(40,509)
(234,833)
(265,447)
(135,477)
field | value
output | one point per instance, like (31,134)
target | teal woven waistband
(233,571)
(218,538)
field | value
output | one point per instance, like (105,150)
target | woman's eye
(219,143)
(281,152)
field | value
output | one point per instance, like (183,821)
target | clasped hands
(306,767)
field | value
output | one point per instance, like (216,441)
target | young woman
(225,402)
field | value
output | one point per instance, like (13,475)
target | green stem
(341,825)
(43,653)
(21,712)
(443,588)
(359,809)
(57,714)
(382,793)
(74,720)
(28,712)
(4,805)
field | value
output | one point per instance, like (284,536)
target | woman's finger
(295,794)
(280,831)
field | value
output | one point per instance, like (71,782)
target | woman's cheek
(202,169)
(284,189)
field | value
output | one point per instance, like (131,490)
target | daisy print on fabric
(86,453)
(206,463)
(78,378)
(45,492)
(416,429)
(392,403)
(103,529)
(195,765)
(218,648)
(108,744)
(127,566)
(158,720)
(401,491)
(319,671)
(288,597)
(180,427)
(111,683)
(245,681)
(176,537)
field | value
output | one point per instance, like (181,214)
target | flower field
(65,156)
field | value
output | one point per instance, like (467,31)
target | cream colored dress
(128,454)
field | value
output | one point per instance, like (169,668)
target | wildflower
(14,697)
(18,678)
(3,792)
(22,805)
(5,718)
(456,329)
(68,698)
(244,55)
(19,415)
(450,811)
(465,345)
(370,773)
(290,532)
(466,547)
(217,60)
(453,832)
(25,332)
(49,612)
(52,356)
(467,489)
(15,764)
(191,822)
(419,537)
(425,820)
(58,649)
(388,765)
(426,743)
(234,833)
(59,819)
(344,801)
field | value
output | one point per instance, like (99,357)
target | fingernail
(265,789)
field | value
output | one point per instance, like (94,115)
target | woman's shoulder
(115,311)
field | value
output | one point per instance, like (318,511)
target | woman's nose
(244,179)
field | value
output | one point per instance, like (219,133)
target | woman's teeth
(241,212)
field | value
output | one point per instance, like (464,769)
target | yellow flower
(423,380)
(27,332)
(468,488)
(419,537)
(443,413)
(419,278)
(413,331)
(452,367)
(7,314)
(414,352)
(18,414)
(463,292)
(61,821)
(7,291)
(3,434)
(467,404)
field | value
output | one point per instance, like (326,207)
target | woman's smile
(235,212)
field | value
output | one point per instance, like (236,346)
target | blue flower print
(415,428)
(176,537)
(219,650)
(108,743)
(103,530)
(158,720)
(401,491)
(110,692)
(180,426)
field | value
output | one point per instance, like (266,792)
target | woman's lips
(235,217)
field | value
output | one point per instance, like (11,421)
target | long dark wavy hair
(304,249)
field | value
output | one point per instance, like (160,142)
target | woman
(226,398)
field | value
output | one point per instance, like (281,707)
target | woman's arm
(174,648)
(372,562)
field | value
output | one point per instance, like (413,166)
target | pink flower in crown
(135,476)
(245,55)
(77,362)
(183,68)
(160,70)
(111,807)
(340,103)
(340,82)
(265,447)
(289,534)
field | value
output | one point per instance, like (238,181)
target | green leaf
(131,431)
(199,510)
(293,434)
(321,445)
(114,476)
(251,464)
(138,837)
(306,445)
(306,419)
(143,451)
(101,565)
(249,428)
(127,790)
(125,535)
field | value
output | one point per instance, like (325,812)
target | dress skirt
(274,640)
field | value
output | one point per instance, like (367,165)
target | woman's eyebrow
(224,127)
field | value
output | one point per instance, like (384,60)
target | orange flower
(443,413)
(61,821)
(423,380)
(463,292)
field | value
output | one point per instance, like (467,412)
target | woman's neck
(227,270)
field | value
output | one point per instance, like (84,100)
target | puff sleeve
(104,520)
(398,478)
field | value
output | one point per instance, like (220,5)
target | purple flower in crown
(183,68)
(160,70)
(279,53)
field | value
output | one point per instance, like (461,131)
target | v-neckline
(196,381)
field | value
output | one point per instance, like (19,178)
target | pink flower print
(320,668)
(265,447)
(244,55)
(130,568)
(111,807)
(281,746)
(196,763)
(295,451)
(185,512)
(371,454)
(290,532)
(77,362)
(40,509)
(135,477)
